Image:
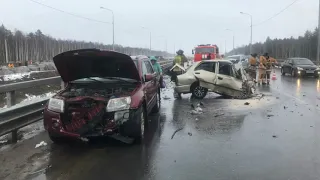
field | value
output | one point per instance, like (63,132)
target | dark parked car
(300,67)
(107,94)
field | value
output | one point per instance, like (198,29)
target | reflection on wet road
(274,137)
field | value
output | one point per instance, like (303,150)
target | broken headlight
(56,105)
(118,104)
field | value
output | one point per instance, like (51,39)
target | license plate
(309,72)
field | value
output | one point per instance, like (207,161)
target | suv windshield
(303,61)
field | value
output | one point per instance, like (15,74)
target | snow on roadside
(11,77)
(29,98)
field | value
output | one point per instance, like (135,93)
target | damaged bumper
(113,124)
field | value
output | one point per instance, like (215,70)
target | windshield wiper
(120,79)
(93,79)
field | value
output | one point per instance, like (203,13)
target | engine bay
(97,90)
(85,106)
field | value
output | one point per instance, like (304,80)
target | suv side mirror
(192,51)
(149,77)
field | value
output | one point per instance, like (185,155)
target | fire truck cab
(205,52)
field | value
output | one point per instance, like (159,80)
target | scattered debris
(301,114)
(197,119)
(176,132)
(217,115)
(277,98)
(201,104)
(166,97)
(84,139)
(284,107)
(304,95)
(194,112)
(199,109)
(270,115)
(41,170)
(291,111)
(175,160)
(42,143)
(274,136)
(246,103)
(192,106)
(311,126)
(189,133)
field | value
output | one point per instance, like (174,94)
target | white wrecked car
(219,76)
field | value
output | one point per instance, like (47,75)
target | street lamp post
(112,25)
(251,30)
(232,37)
(318,47)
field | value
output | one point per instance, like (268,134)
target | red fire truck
(202,51)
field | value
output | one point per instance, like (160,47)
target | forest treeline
(303,46)
(18,46)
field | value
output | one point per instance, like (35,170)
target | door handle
(197,73)
(220,78)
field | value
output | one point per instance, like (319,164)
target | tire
(198,92)
(282,72)
(139,129)
(157,106)
(56,139)
(293,73)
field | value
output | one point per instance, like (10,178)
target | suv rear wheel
(198,92)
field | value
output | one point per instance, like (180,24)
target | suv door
(151,86)
(205,73)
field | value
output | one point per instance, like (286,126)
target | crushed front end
(83,111)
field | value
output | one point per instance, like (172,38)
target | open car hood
(85,63)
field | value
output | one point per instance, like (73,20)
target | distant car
(107,94)
(219,76)
(300,67)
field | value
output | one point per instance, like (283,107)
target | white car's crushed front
(239,87)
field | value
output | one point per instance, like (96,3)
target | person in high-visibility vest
(253,67)
(178,59)
(262,69)
(269,65)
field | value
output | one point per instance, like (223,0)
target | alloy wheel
(199,91)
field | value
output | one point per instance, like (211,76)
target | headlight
(299,68)
(56,105)
(318,69)
(118,104)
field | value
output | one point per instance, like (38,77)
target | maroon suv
(107,94)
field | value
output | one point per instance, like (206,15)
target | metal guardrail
(17,116)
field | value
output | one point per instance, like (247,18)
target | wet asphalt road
(276,137)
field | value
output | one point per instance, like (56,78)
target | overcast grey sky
(184,23)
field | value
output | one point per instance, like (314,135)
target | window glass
(149,67)
(136,63)
(206,66)
(144,69)
(225,68)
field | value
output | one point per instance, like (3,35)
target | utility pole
(318,47)
(225,47)
(6,50)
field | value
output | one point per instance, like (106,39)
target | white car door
(227,82)
(205,73)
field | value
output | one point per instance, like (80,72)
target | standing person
(157,68)
(179,59)
(262,69)
(253,67)
(209,56)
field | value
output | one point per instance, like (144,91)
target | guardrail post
(11,100)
